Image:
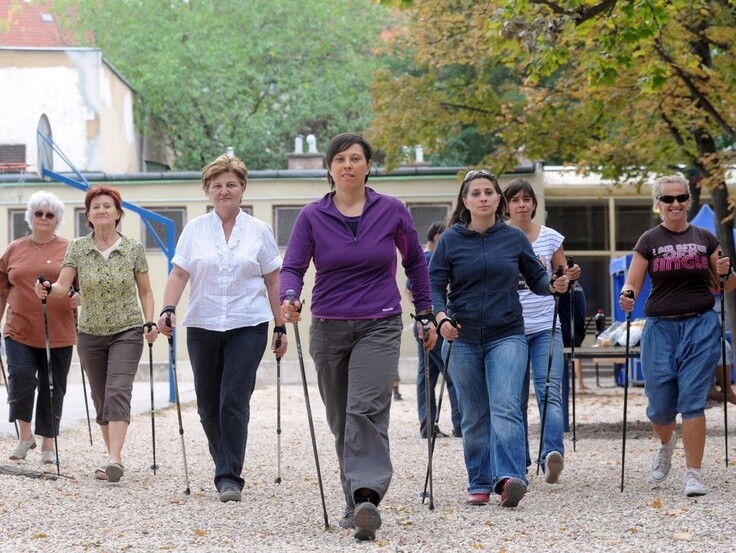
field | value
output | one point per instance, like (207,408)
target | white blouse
(227,289)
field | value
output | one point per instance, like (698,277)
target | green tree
(626,89)
(248,74)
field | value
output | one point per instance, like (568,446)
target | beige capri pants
(111,363)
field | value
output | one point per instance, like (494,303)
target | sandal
(114,471)
(100,474)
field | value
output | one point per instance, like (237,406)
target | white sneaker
(663,460)
(694,484)
(553,465)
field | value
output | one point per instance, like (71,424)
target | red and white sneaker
(512,491)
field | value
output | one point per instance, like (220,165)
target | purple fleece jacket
(356,275)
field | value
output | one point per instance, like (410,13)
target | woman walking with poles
(546,360)
(24,259)
(352,235)
(680,342)
(113,276)
(479,259)
(232,263)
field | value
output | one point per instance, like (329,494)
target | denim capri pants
(678,358)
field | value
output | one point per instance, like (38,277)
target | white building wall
(77,92)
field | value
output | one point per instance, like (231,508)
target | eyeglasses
(470,175)
(48,215)
(681,198)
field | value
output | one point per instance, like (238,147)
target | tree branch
(707,106)
(581,14)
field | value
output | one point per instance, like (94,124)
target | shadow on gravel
(610,431)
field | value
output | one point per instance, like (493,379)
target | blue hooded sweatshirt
(475,276)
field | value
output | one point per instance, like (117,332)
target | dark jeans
(436,365)
(27,370)
(224,366)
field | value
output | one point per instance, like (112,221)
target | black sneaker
(367,520)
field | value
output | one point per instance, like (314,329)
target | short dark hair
(341,143)
(523,186)
(435,229)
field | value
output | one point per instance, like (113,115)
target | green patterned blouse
(109,292)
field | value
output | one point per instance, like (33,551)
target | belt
(679,317)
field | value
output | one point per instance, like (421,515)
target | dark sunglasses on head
(48,215)
(681,198)
(470,175)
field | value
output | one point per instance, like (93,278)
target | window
(632,221)
(284,217)
(12,157)
(80,223)
(583,224)
(176,214)
(18,226)
(426,214)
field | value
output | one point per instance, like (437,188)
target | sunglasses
(470,175)
(48,215)
(680,198)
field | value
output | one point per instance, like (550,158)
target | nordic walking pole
(86,403)
(571,264)
(291,296)
(723,357)
(154,466)
(42,279)
(278,413)
(628,294)
(172,357)
(5,380)
(453,321)
(84,379)
(424,320)
(558,274)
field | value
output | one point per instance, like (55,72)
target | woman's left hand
(723,266)
(573,273)
(75,300)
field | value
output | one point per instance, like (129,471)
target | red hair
(100,190)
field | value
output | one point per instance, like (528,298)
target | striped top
(538,310)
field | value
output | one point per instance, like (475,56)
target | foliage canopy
(247,74)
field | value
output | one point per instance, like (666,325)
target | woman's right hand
(625,301)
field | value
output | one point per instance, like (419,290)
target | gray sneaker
(554,462)
(663,460)
(230,492)
(367,520)
(694,484)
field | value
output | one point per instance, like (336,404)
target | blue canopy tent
(706,218)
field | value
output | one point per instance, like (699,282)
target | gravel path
(585,512)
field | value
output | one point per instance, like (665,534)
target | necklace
(39,246)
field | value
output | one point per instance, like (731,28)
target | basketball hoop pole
(46,149)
